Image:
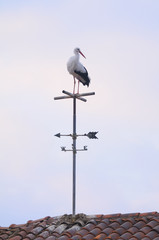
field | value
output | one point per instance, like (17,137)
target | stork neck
(77,55)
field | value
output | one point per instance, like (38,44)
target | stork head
(77,51)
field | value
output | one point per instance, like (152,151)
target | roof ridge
(81,217)
(128,215)
(84,226)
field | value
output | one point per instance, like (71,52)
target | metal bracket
(74,150)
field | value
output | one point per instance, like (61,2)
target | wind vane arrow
(90,135)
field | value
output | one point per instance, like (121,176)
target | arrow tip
(57,135)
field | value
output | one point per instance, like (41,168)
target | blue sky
(119,172)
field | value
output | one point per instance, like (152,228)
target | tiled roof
(133,226)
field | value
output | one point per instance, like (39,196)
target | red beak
(82,54)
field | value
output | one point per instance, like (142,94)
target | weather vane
(79,72)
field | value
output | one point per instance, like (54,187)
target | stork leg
(74,85)
(78,87)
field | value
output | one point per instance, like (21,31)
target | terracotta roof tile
(96,231)
(152,234)
(140,224)
(39,238)
(108,231)
(114,225)
(16,238)
(4,236)
(76,237)
(37,230)
(31,236)
(132,226)
(22,233)
(152,224)
(63,238)
(60,228)
(126,235)
(51,228)
(106,221)
(51,238)
(56,234)
(83,232)
(126,225)
(146,238)
(139,235)
(88,237)
(71,231)
(27,229)
(101,236)
(101,225)
(133,230)
(89,226)
(156,228)
(44,234)
(120,231)
(93,221)
(146,229)
(114,236)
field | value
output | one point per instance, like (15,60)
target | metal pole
(74,137)
(74,156)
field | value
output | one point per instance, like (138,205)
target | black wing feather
(84,76)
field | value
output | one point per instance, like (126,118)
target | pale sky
(119,172)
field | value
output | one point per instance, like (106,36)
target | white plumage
(76,69)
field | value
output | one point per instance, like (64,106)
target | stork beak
(82,54)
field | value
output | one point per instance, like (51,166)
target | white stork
(78,71)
